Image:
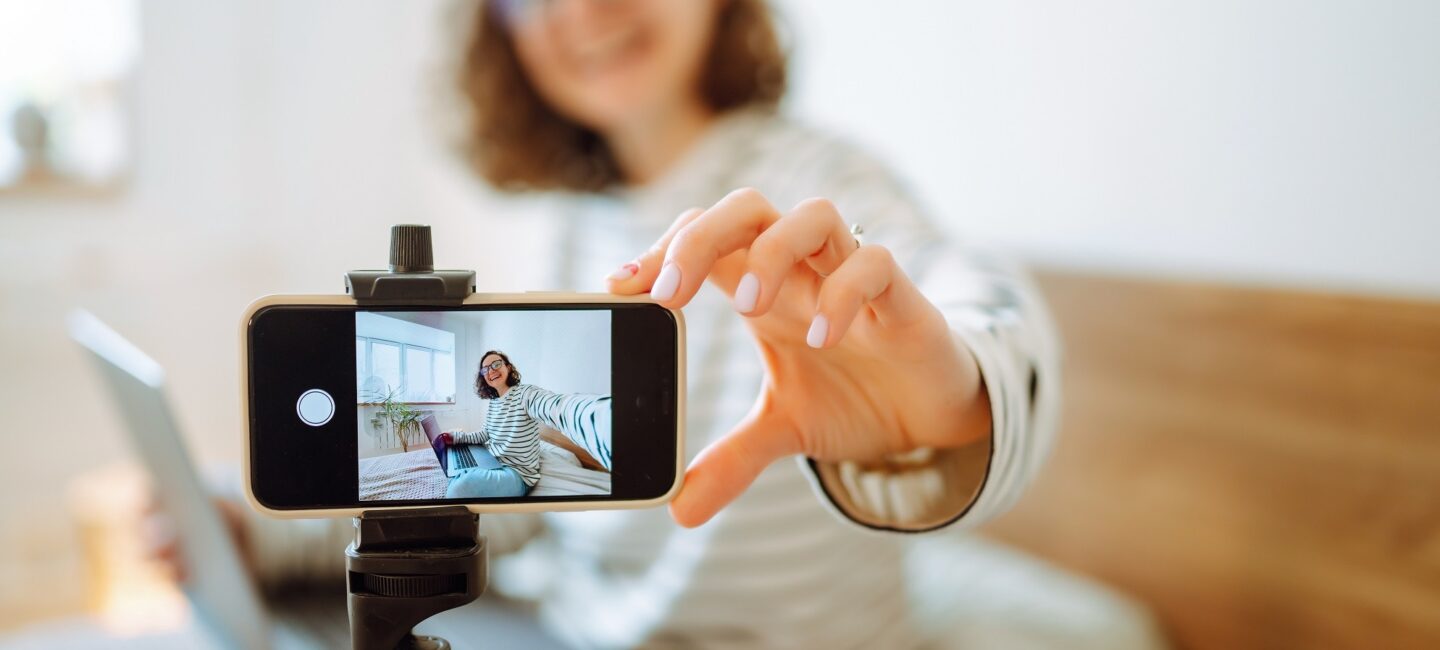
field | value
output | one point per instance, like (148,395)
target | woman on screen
(512,430)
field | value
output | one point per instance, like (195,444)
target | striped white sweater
(797,561)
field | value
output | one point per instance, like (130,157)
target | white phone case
(528,298)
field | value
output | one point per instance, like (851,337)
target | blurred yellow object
(130,593)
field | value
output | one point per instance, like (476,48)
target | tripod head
(406,566)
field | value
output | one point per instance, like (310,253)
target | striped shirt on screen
(512,426)
(511,434)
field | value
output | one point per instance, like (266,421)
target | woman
(512,430)
(915,382)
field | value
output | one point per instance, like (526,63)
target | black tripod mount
(407,565)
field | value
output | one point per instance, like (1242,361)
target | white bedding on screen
(416,475)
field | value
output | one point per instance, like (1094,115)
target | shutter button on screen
(315,407)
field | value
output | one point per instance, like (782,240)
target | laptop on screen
(456,459)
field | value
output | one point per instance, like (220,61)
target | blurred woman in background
(914,382)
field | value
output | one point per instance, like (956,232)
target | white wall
(560,351)
(1287,142)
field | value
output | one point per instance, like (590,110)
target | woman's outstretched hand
(858,363)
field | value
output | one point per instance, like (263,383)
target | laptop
(226,602)
(456,459)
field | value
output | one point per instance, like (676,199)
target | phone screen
(374,407)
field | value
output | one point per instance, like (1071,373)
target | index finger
(639,275)
(730,225)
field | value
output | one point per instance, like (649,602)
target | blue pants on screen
(487,483)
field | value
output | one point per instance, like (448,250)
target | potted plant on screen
(404,419)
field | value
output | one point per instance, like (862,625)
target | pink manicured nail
(747,293)
(819,329)
(625,272)
(667,283)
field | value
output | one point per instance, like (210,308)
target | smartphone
(504,403)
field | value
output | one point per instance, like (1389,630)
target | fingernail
(819,329)
(625,272)
(747,293)
(667,283)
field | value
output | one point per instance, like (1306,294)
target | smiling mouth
(601,53)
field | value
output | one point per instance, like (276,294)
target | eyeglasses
(516,12)
(495,365)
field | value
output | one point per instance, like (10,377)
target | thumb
(722,471)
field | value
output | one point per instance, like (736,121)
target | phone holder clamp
(412,278)
(408,565)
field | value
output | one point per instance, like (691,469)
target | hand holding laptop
(163,542)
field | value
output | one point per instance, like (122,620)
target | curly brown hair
(519,143)
(486,391)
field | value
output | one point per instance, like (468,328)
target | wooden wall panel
(1262,467)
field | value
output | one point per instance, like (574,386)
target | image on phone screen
(476,405)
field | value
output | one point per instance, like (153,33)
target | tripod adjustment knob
(410,249)
(413,586)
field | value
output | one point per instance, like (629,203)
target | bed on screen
(416,475)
